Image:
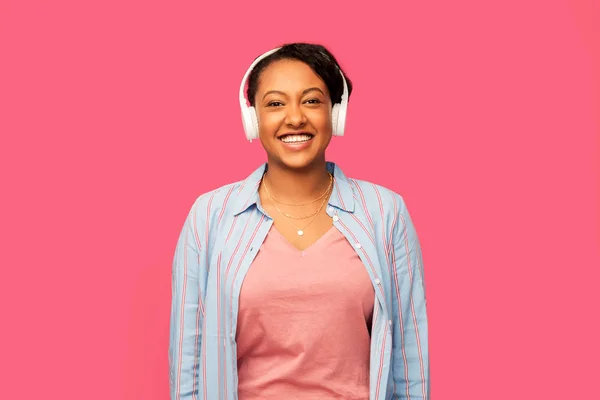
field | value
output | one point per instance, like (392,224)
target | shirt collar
(342,196)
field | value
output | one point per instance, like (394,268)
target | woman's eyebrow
(303,92)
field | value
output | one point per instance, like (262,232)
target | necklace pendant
(300,232)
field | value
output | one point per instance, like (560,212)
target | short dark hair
(316,56)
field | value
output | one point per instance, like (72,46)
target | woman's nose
(295,116)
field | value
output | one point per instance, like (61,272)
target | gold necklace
(300,231)
(273,200)
(286,214)
(300,204)
(292,216)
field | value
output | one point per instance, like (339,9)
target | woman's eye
(274,104)
(313,101)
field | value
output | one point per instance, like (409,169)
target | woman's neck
(297,186)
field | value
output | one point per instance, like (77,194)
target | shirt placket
(381,333)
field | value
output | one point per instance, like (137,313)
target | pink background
(116,115)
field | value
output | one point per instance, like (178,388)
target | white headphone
(250,120)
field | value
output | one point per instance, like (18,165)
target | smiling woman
(294,120)
(298,282)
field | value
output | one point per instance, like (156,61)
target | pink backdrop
(116,115)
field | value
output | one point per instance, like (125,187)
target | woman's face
(293,107)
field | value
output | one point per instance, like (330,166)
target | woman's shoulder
(383,204)
(207,202)
(377,197)
(230,196)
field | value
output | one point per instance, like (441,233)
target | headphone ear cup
(338,117)
(254,119)
(334,119)
(341,121)
(250,122)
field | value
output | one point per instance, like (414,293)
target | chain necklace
(300,204)
(292,216)
(300,231)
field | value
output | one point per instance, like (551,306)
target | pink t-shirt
(304,322)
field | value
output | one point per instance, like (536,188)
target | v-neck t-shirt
(304,322)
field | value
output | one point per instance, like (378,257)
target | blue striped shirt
(222,234)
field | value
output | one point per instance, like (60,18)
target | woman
(298,282)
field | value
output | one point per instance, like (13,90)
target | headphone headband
(250,120)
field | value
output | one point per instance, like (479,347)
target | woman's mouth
(296,138)
(296,141)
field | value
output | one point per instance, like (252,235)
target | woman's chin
(300,160)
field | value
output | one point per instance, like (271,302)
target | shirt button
(358,246)
(377,281)
(336,218)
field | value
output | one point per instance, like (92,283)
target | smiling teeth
(296,138)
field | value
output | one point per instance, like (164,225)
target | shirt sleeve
(187,313)
(410,357)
